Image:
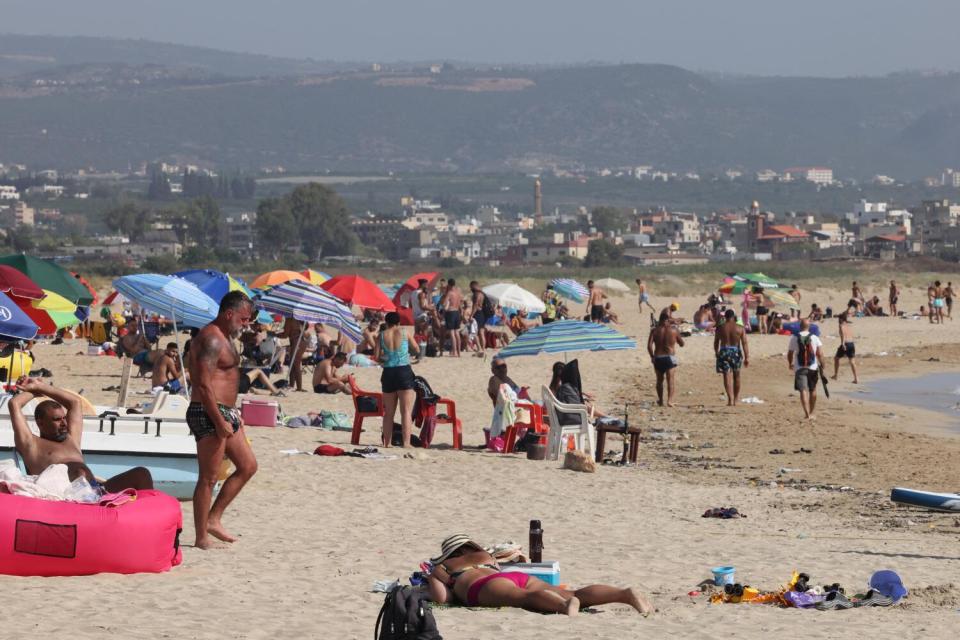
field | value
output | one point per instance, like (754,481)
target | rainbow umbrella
(50,313)
(50,277)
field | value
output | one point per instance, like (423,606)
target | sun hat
(889,584)
(451,544)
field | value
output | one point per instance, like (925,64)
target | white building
(817,175)
(950,178)
(766,175)
(8,192)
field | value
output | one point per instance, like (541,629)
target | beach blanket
(52,484)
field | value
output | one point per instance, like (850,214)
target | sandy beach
(316,532)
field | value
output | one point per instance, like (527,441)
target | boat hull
(928,499)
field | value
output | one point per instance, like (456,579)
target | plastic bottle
(536,541)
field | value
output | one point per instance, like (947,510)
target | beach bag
(335,420)
(404,616)
(805,353)
(366,404)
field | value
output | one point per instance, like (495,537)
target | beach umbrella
(14,323)
(273,278)
(741,282)
(315,277)
(17,284)
(50,313)
(507,294)
(217,284)
(50,277)
(567,335)
(570,289)
(175,298)
(413,282)
(357,290)
(612,284)
(309,303)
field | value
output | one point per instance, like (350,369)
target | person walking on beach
(894,297)
(804,358)
(662,347)
(450,302)
(795,294)
(644,296)
(213,418)
(932,303)
(730,348)
(938,301)
(482,311)
(847,348)
(948,298)
(595,302)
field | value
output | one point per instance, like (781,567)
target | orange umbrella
(273,278)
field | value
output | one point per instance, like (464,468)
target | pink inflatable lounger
(50,538)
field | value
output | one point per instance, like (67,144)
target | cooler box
(549,571)
(259,413)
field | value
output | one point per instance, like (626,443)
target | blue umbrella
(217,284)
(14,323)
(309,303)
(567,335)
(570,289)
(175,298)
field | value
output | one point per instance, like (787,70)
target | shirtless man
(595,302)
(60,422)
(847,348)
(644,295)
(730,347)
(166,370)
(370,333)
(325,378)
(662,347)
(450,302)
(795,294)
(857,294)
(213,418)
(894,297)
(482,311)
(938,301)
(948,298)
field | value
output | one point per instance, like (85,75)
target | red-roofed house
(768,238)
(886,245)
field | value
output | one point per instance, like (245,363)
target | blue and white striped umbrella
(309,303)
(173,297)
(570,289)
(567,335)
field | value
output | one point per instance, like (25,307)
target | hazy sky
(802,37)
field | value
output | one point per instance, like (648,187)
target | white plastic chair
(583,431)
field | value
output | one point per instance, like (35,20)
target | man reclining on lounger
(464,572)
(60,422)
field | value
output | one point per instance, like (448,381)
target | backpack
(806,355)
(404,616)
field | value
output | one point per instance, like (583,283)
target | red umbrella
(17,284)
(359,291)
(413,282)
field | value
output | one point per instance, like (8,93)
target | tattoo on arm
(208,352)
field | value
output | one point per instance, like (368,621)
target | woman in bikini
(466,573)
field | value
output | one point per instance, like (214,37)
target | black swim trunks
(451,319)
(596,312)
(322,388)
(202,426)
(846,350)
(662,364)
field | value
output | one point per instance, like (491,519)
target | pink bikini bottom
(473,593)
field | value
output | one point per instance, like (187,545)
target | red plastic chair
(449,417)
(536,423)
(358,415)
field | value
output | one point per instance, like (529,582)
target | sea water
(938,392)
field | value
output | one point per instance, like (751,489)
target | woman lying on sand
(466,573)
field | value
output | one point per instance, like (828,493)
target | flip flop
(873,598)
(834,600)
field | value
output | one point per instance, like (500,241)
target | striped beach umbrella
(570,289)
(173,297)
(567,335)
(308,303)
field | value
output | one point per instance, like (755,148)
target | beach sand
(316,532)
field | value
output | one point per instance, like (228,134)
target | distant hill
(164,102)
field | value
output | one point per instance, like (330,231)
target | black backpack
(405,616)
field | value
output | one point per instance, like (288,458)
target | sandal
(834,600)
(873,598)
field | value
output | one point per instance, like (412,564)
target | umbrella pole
(183,368)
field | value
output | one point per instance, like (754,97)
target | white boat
(113,443)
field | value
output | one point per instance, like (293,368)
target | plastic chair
(536,423)
(583,431)
(358,415)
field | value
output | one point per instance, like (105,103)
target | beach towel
(505,413)
(52,484)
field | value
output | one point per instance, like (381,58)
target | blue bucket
(723,575)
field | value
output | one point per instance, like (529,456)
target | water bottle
(536,541)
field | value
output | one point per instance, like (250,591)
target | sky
(763,37)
